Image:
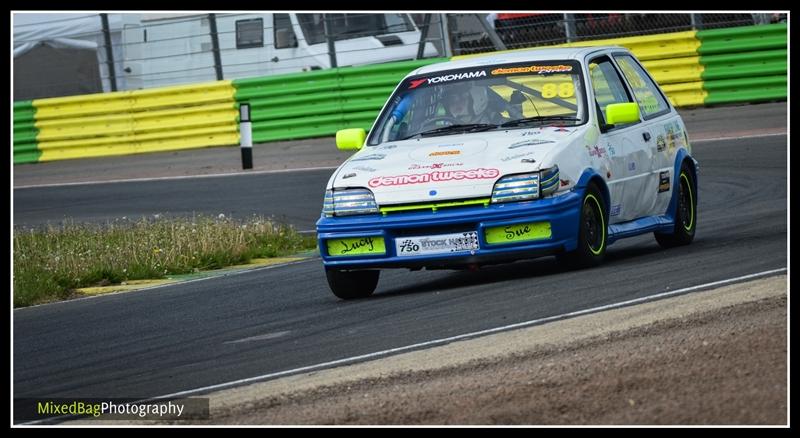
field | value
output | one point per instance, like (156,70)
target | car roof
(537,54)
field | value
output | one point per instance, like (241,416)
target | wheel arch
(590,176)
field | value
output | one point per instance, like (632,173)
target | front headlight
(526,186)
(522,187)
(344,202)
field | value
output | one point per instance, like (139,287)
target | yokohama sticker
(437,176)
(446,78)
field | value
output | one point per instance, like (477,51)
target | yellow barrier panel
(675,70)
(130,122)
(686,94)
(671,58)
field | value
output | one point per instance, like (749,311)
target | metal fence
(469,33)
(88,53)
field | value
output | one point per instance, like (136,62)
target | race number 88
(551,90)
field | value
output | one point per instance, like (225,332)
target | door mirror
(350,139)
(621,113)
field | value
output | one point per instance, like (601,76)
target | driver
(470,104)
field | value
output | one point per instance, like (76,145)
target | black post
(426,23)
(246,136)
(331,42)
(112,74)
(212,24)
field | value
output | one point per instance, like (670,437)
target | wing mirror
(350,139)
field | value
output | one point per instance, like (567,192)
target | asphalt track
(191,335)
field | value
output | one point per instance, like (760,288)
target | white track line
(441,341)
(302,169)
(742,137)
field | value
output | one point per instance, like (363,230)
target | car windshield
(484,98)
(347,26)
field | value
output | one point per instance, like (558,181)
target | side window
(607,85)
(249,33)
(283,36)
(650,100)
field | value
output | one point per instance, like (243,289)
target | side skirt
(662,223)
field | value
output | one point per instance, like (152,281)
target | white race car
(506,157)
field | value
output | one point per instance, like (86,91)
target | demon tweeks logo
(447,78)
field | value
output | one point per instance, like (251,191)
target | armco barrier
(318,103)
(25,150)
(130,122)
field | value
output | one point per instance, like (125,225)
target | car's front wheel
(592,232)
(685,214)
(349,285)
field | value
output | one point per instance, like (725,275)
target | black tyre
(349,285)
(685,215)
(592,234)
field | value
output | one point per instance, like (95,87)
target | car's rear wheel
(349,285)
(685,214)
(592,232)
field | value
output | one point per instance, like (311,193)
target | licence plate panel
(437,244)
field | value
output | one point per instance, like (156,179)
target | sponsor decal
(441,153)
(661,144)
(524,143)
(670,137)
(349,175)
(564,182)
(560,129)
(435,176)
(538,69)
(446,78)
(432,193)
(596,151)
(386,147)
(434,166)
(369,157)
(515,156)
(663,181)
(611,151)
(615,210)
(534,132)
(364,168)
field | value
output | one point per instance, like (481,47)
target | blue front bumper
(562,212)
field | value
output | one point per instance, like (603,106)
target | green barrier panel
(757,89)
(24,139)
(742,39)
(744,64)
(319,103)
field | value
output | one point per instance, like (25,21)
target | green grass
(50,263)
